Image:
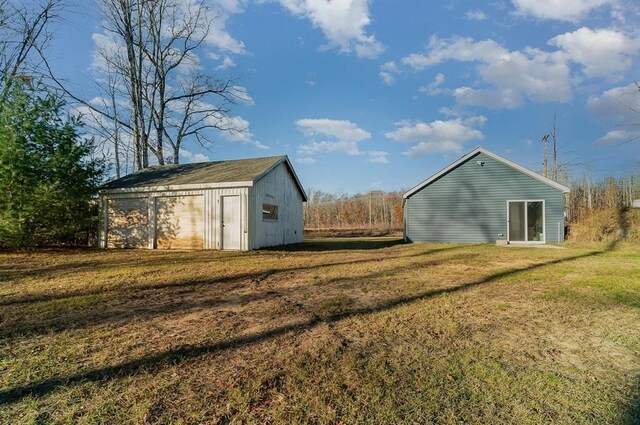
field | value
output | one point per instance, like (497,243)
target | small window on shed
(269,212)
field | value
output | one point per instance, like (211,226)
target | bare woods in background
(603,210)
(374,210)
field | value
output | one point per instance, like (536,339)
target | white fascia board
(178,187)
(285,160)
(492,155)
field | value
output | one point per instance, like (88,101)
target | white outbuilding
(228,205)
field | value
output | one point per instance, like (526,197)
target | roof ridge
(213,162)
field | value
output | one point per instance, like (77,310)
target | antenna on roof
(545,164)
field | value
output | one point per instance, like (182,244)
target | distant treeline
(376,210)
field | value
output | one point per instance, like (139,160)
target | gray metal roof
(238,170)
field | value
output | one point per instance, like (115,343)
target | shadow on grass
(187,352)
(338,244)
(632,414)
(92,260)
(163,257)
(237,277)
(139,299)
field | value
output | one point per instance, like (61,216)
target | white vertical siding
(209,219)
(279,188)
(211,205)
(104,215)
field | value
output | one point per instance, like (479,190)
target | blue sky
(381,94)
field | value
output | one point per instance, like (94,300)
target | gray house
(483,197)
(230,205)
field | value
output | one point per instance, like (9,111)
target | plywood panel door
(179,222)
(127,223)
(231,226)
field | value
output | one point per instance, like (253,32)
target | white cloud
(340,146)
(340,129)
(619,136)
(306,160)
(310,80)
(378,157)
(602,52)
(434,88)
(227,62)
(242,95)
(492,98)
(622,103)
(237,130)
(513,75)
(343,23)
(106,48)
(343,136)
(437,136)
(562,10)
(619,107)
(463,49)
(368,47)
(475,15)
(231,6)
(218,36)
(450,112)
(388,71)
(188,156)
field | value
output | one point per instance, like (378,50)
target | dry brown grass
(606,225)
(352,331)
(353,232)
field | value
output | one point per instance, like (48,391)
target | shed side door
(127,223)
(231,222)
(179,222)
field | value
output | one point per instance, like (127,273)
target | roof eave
(174,187)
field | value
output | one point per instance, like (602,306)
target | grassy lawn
(333,331)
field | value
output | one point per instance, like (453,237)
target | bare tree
(23,31)
(113,139)
(151,87)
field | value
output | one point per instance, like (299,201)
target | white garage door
(180,222)
(127,223)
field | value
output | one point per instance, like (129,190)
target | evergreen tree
(47,177)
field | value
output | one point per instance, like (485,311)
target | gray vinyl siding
(469,204)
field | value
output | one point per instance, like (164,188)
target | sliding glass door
(525,221)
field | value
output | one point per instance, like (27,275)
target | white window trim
(526,235)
